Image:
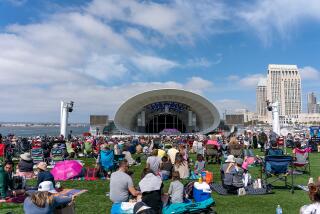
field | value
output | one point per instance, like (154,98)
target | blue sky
(101,52)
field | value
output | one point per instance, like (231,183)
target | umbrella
(67,169)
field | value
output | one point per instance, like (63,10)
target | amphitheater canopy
(167,110)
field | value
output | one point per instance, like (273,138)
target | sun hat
(239,161)
(230,159)
(42,165)
(46,186)
(26,156)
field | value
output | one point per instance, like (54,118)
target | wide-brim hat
(26,156)
(230,159)
(42,165)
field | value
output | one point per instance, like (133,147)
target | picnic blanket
(18,199)
(71,192)
(249,190)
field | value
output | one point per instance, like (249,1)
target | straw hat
(46,186)
(230,159)
(42,165)
(26,156)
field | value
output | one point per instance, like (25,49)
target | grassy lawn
(95,200)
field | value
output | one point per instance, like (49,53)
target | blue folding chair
(276,168)
(107,160)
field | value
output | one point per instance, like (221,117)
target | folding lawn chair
(56,155)
(276,168)
(302,160)
(107,160)
(37,155)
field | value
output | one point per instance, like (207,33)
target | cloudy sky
(99,53)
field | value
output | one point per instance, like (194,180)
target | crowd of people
(166,157)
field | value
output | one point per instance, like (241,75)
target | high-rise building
(312,105)
(284,86)
(261,98)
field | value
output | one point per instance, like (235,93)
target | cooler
(201,191)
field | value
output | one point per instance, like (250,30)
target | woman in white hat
(25,166)
(44,200)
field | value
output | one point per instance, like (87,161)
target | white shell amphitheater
(167,109)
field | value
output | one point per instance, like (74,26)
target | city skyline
(99,53)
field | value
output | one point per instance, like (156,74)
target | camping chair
(276,168)
(274,152)
(212,152)
(56,155)
(37,155)
(107,160)
(302,160)
(88,148)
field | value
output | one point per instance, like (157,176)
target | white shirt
(310,209)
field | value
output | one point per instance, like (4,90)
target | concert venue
(167,111)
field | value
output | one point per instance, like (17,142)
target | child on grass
(165,168)
(199,165)
(176,188)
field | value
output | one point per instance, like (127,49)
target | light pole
(64,113)
(275,116)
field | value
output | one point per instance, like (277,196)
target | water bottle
(279,210)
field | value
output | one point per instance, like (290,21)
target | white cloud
(178,19)
(152,64)
(198,84)
(309,73)
(198,62)
(135,34)
(230,105)
(270,18)
(233,77)
(17,2)
(43,103)
(250,80)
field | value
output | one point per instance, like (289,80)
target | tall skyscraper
(261,98)
(284,86)
(312,105)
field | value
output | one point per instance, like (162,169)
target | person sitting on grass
(44,174)
(165,168)
(274,150)
(44,201)
(151,189)
(153,162)
(121,184)
(25,166)
(200,164)
(6,181)
(127,155)
(181,166)
(176,189)
(314,195)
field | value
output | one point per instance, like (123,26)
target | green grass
(95,200)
